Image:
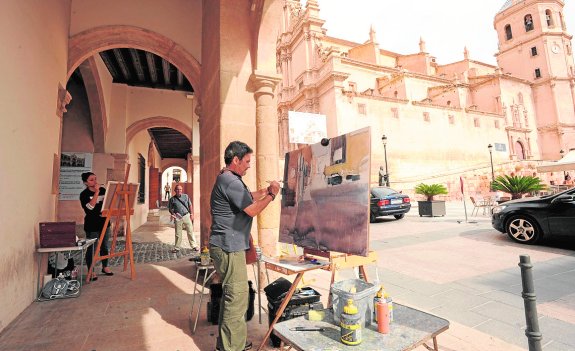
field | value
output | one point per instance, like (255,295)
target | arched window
(528,20)
(519,150)
(508,32)
(395,94)
(520,98)
(549,18)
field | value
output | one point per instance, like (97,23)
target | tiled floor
(152,312)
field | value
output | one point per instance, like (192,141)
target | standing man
(167,191)
(180,208)
(233,207)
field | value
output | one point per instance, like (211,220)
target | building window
(508,32)
(496,124)
(549,18)
(361,109)
(395,112)
(520,98)
(141,179)
(451,119)
(300,85)
(426,117)
(534,51)
(528,20)
(352,86)
(476,122)
(568,47)
(395,94)
(537,73)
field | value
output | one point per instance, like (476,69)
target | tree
(517,185)
(430,190)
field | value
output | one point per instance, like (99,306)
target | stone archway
(158,121)
(89,42)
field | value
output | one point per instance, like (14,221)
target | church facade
(439,119)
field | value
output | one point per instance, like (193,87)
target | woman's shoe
(107,273)
(94,278)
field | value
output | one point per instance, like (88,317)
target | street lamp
(384,141)
(562,153)
(490,148)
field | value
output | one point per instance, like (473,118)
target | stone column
(267,141)
(118,173)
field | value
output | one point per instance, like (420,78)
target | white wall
(34,41)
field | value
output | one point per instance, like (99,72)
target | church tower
(534,46)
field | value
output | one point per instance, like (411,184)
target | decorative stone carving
(64,99)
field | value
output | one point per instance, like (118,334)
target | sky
(446,26)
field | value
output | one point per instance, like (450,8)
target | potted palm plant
(431,207)
(517,185)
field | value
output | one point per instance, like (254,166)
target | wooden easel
(119,208)
(337,260)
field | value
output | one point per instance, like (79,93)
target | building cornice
(534,38)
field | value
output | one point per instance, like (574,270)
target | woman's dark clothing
(93,224)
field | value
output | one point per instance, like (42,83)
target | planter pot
(431,208)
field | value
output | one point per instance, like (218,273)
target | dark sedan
(387,202)
(530,219)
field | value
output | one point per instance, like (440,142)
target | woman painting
(91,199)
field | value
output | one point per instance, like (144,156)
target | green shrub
(517,185)
(430,190)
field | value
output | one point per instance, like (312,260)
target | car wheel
(399,216)
(523,230)
(371,217)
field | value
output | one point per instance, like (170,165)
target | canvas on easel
(325,200)
(118,204)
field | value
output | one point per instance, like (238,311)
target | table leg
(207,278)
(259,292)
(38,290)
(194,298)
(282,307)
(435,346)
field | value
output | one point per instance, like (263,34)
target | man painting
(233,207)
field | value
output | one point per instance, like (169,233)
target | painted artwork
(114,186)
(325,198)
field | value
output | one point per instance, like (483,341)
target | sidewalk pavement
(152,312)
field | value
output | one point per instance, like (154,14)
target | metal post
(384,140)
(490,147)
(532,332)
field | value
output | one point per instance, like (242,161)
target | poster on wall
(325,198)
(72,165)
(306,128)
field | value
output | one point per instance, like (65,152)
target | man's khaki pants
(189,226)
(231,266)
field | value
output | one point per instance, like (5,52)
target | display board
(72,165)
(325,198)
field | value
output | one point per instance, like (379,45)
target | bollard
(532,332)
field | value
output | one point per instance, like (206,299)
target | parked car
(385,201)
(531,219)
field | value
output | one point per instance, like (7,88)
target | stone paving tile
(557,330)
(511,299)
(504,331)
(460,315)
(556,346)
(502,312)
(460,300)
(548,289)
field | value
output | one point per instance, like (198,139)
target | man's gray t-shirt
(231,226)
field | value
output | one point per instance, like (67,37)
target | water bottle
(350,325)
